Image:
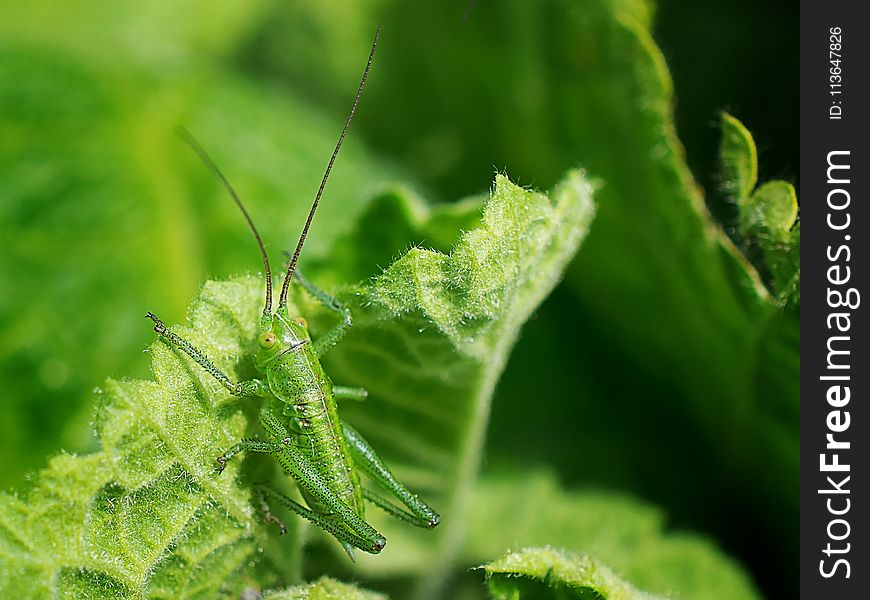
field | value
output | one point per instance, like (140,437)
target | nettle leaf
(662,322)
(629,536)
(433,334)
(148,516)
(324,588)
(768,214)
(659,292)
(550,573)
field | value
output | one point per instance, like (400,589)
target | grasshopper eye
(267,340)
(302,321)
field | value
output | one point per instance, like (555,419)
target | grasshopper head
(279,336)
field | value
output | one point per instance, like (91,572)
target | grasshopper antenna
(291,268)
(185,135)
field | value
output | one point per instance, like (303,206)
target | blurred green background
(666,377)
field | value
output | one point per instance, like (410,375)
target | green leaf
(771,219)
(659,340)
(629,536)
(773,210)
(662,338)
(480,295)
(739,159)
(549,573)
(659,292)
(664,335)
(154,37)
(147,514)
(324,588)
(431,337)
(768,214)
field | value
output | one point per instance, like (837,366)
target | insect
(299,414)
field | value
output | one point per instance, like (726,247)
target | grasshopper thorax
(282,336)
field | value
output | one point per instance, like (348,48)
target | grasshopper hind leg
(418,512)
(264,490)
(329,523)
(335,516)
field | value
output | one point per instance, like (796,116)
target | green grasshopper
(299,414)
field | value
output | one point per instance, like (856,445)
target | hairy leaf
(449,322)
(530,509)
(147,515)
(324,588)
(663,338)
(664,333)
(549,573)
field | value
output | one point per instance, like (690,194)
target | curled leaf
(628,535)
(147,515)
(768,214)
(550,573)
(324,588)
(432,335)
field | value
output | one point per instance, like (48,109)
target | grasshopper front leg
(421,514)
(328,340)
(252,387)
